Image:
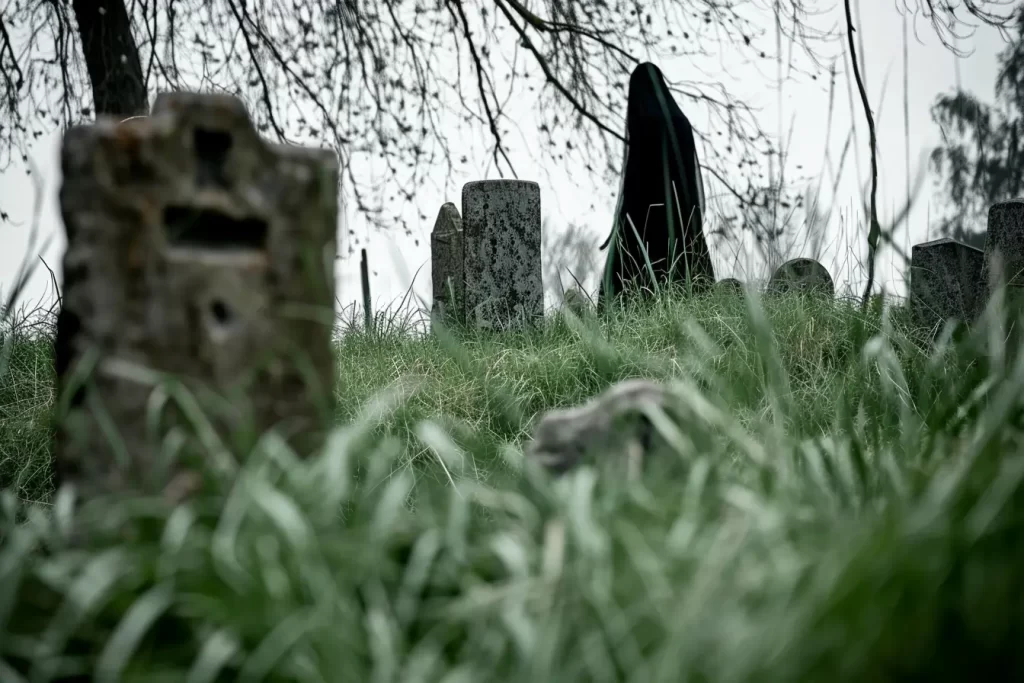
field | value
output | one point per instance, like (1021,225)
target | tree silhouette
(370,79)
(979,160)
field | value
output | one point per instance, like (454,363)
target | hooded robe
(660,169)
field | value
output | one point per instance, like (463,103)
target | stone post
(501,228)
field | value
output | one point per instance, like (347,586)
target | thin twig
(875,230)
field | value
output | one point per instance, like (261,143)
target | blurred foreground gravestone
(502,242)
(611,425)
(802,275)
(200,252)
(945,282)
(447,272)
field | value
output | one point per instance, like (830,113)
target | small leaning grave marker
(447,271)
(945,282)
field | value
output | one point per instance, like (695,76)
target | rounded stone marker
(729,284)
(801,274)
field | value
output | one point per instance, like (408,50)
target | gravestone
(945,282)
(447,250)
(1006,239)
(801,275)
(198,251)
(502,243)
(729,284)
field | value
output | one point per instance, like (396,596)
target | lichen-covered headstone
(501,229)
(945,282)
(1005,244)
(802,275)
(446,263)
(195,251)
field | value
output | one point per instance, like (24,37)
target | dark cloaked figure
(662,194)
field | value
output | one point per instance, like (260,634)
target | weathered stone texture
(801,274)
(447,251)
(501,228)
(945,282)
(1005,244)
(198,250)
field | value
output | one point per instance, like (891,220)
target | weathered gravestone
(729,284)
(195,250)
(801,275)
(448,278)
(1004,245)
(945,282)
(501,233)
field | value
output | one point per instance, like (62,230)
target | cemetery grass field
(843,503)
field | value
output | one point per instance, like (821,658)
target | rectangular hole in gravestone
(209,229)
(211,148)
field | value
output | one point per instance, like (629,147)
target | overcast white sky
(568,193)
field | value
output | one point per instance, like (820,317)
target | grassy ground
(843,504)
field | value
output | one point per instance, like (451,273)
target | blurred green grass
(844,504)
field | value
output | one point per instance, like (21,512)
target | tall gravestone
(1005,244)
(501,229)
(945,282)
(802,275)
(447,274)
(195,250)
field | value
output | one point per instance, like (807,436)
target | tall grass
(825,512)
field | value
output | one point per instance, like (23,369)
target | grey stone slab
(195,250)
(945,282)
(501,228)
(1004,247)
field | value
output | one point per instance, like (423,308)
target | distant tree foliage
(981,158)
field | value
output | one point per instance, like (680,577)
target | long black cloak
(660,170)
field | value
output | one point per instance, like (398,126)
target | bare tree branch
(382,82)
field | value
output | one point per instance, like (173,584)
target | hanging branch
(875,230)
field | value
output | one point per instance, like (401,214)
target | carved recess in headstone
(447,249)
(802,275)
(945,282)
(501,229)
(197,250)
